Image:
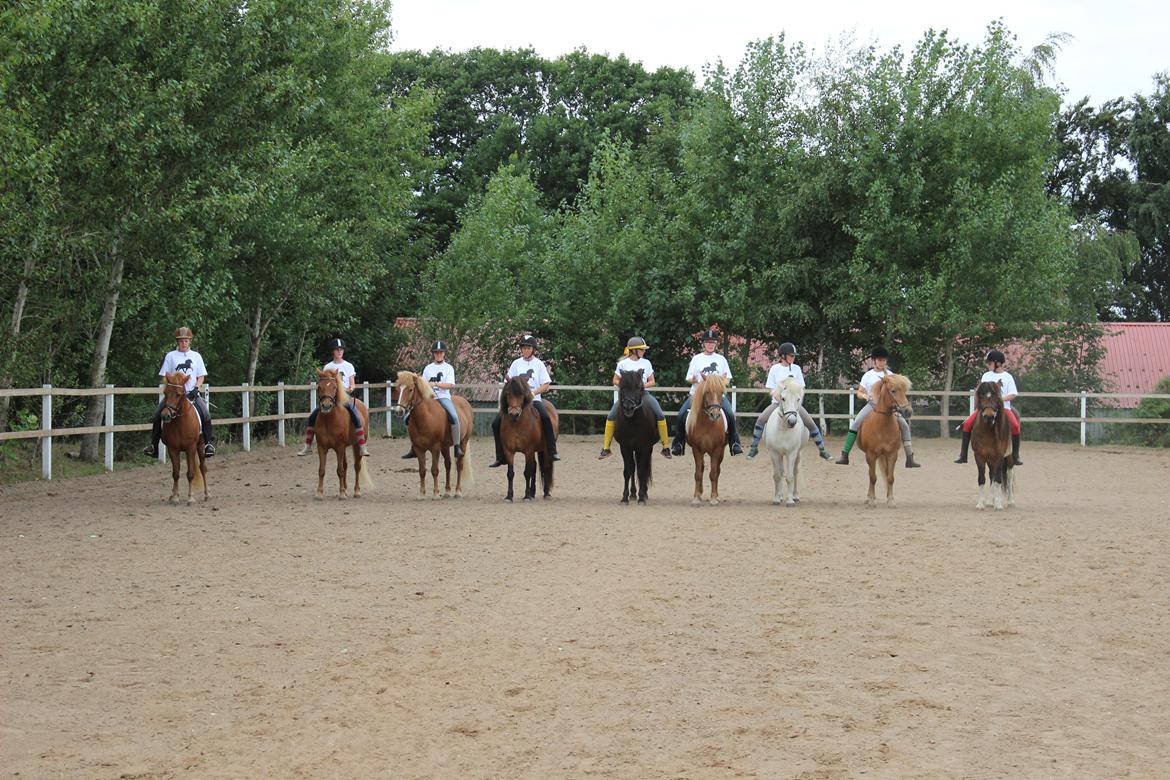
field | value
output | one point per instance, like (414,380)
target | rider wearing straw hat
(786,368)
(441,376)
(706,362)
(348,376)
(183,358)
(635,360)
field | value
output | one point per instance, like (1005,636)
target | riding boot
(155,435)
(358,425)
(499,447)
(757,434)
(550,436)
(664,438)
(208,439)
(607,440)
(849,439)
(910,462)
(456,437)
(1016,450)
(733,436)
(307,447)
(680,435)
(410,455)
(966,443)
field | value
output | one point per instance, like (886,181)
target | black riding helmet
(336,344)
(710,334)
(995,356)
(528,340)
(788,348)
(879,352)
(439,346)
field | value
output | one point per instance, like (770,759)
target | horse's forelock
(788,385)
(515,387)
(898,383)
(631,380)
(715,384)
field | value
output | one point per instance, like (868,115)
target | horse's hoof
(529,498)
(458,494)
(190,501)
(508,500)
(714,502)
(319,496)
(790,504)
(891,504)
(776,502)
(795,500)
(695,502)
(436,497)
(342,497)
(870,503)
(625,501)
(643,501)
(173,500)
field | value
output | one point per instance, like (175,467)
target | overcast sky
(1117,46)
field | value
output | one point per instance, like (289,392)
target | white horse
(784,436)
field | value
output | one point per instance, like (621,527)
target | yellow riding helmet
(636,342)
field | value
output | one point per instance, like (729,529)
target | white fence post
(280,413)
(970,404)
(734,400)
(389,403)
(246,408)
(821,413)
(1084,408)
(109,434)
(162,448)
(366,399)
(47,425)
(851,397)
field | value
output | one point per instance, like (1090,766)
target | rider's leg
(550,436)
(660,419)
(966,443)
(680,428)
(452,415)
(155,432)
(307,447)
(851,437)
(204,420)
(907,445)
(758,430)
(358,427)
(732,432)
(607,437)
(1014,419)
(499,447)
(814,431)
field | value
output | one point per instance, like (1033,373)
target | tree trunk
(948,379)
(96,407)
(14,335)
(255,335)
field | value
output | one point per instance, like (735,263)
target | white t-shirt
(703,364)
(533,370)
(779,372)
(189,362)
(871,377)
(345,371)
(440,372)
(629,364)
(1007,384)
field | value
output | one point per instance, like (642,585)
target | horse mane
(515,386)
(715,383)
(897,382)
(342,395)
(784,385)
(422,388)
(994,386)
(631,380)
(177,378)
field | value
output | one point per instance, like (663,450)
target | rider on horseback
(183,358)
(534,371)
(880,357)
(634,360)
(785,369)
(348,375)
(995,373)
(706,362)
(441,376)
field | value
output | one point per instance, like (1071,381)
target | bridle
(174,410)
(404,411)
(332,399)
(997,406)
(893,401)
(629,406)
(791,415)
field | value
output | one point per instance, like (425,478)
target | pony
(182,431)
(335,431)
(707,433)
(430,431)
(991,443)
(880,436)
(784,436)
(636,430)
(520,432)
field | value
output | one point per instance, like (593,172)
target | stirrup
(458,451)
(409,456)
(208,450)
(150,450)
(736,448)
(678,448)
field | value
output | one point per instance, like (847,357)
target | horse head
(411,391)
(174,394)
(630,391)
(988,402)
(894,390)
(710,394)
(516,397)
(789,394)
(329,390)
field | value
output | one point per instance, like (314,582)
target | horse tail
(364,480)
(466,473)
(197,479)
(546,469)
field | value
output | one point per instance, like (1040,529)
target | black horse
(636,430)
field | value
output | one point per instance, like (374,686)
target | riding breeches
(350,407)
(805,418)
(1013,418)
(452,415)
(904,426)
(680,431)
(647,399)
(201,409)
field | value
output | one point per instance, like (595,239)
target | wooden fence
(47,393)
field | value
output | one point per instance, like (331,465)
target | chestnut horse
(182,431)
(520,431)
(430,431)
(707,433)
(335,432)
(880,436)
(991,443)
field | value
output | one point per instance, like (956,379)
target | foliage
(1153,435)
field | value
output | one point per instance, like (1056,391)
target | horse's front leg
(203,472)
(794,485)
(642,461)
(997,485)
(890,461)
(447,469)
(511,458)
(422,471)
(871,497)
(627,473)
(698,456)
(716,467)
(982,485)
(435,475)
(530,476)
(174,456)
(358,465)
(342,467)
(192,464)
(322,454)
(778,480)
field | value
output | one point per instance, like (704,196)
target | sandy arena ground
(271,635)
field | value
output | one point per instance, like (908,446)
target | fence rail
(46,433)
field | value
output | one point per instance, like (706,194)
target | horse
(430,431)
(784,436)
(707,433)
(520,431)
(991,443)
(335,431)
(636,430)
(880,437)
(182,432)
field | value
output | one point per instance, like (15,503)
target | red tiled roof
(1137,356)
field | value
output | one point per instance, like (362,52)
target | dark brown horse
(335,432)
(520,431)
(707,434)
(880,436)
(183,432)
(430,431)
(991,443)
(636,430)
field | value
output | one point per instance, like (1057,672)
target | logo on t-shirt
(711,369)
(184,365)
(528,374)
(438,377)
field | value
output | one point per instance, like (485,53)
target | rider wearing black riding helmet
(995,372)
(539,380)
(785,368)
(880,356)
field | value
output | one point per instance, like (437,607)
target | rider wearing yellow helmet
(635,360)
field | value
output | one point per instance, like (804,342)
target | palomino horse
(335,432)
(636,430)
(991,443)
(183,432)
(707,433)
(430,431)
(784,436)
(520,431)
(880,436)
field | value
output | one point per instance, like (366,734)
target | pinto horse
(880,436)
(707,433)
(784,437)
(183,432)
(991,443)
(520,431)
(335,432)
(430,431)
(636,430)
